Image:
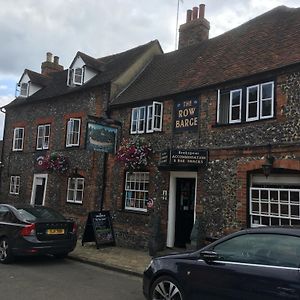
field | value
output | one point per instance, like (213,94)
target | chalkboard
(98,228)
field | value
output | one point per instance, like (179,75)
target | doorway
(181,209)
(185,197)
(39,189)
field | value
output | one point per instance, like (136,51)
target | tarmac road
(49,278)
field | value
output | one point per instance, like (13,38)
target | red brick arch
(242,172)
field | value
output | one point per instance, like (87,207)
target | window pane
(252,94)
(235,98)
(266,108)
(266,91)
(224,106)
(252,113)
(235,113)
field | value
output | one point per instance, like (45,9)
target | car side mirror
(209,255)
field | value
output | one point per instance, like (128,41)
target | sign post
(98,228)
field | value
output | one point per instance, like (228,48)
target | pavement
(120,259)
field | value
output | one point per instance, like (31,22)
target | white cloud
(100,27)
(3,87)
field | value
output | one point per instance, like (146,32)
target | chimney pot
(188,15)
(201,11)
(56,60)
(49,56)
(195,13)
(196,29)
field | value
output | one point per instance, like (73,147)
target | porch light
(268,165)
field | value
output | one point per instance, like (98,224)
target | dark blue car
(28,230)
(260,263)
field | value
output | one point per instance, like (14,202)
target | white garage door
(274,200)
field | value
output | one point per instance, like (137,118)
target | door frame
(172,203)
(33,190)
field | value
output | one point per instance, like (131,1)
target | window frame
(24,95)
(70,132)
(75,190)
(157,116)
(136,191)
(267,99)
(138,121)
(239,105)
(244,104)
(267,206)
(80,76)
(14,185)
(153,114)
(43,137)
(15,139)
(248,119)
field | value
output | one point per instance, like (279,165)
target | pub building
(221,119)
(178,147)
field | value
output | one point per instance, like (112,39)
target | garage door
(274,200)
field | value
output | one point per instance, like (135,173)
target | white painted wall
(89,74)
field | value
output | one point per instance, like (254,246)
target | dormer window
(75,76)
(78,76)
(22,89)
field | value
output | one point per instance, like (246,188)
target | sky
(31,28)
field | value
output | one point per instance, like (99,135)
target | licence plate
(55,231)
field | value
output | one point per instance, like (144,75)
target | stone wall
(89,164)
(222,203)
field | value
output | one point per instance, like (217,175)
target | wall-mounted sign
(186,115)
(101,138)
(183,157)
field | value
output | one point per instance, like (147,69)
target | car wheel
(166,288)
(5,251)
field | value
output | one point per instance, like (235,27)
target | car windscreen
(39,213)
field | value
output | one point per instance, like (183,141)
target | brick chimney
(50,65)
(196,28)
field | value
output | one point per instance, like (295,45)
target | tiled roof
(37,78)
(112,66)
(265,43)
(91,61)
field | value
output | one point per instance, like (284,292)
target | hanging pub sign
(101,138)
(186,113)
(98,228)
(183,157)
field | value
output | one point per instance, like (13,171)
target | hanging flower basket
(134,154)
(55,163)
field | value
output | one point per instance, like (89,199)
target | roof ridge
(128,50)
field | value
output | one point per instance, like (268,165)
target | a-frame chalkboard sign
(98,228)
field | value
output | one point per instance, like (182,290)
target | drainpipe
(2,109)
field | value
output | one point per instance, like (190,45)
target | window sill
(136,212)
(75,203)
(244,123)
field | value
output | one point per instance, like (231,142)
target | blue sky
(30,28)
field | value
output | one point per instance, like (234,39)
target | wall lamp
(268,165)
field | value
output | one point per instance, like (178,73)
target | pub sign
(186,114)
(184,157)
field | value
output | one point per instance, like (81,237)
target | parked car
(29,230)
(258,263)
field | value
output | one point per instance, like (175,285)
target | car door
(250,266)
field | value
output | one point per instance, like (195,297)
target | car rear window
(39,213)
